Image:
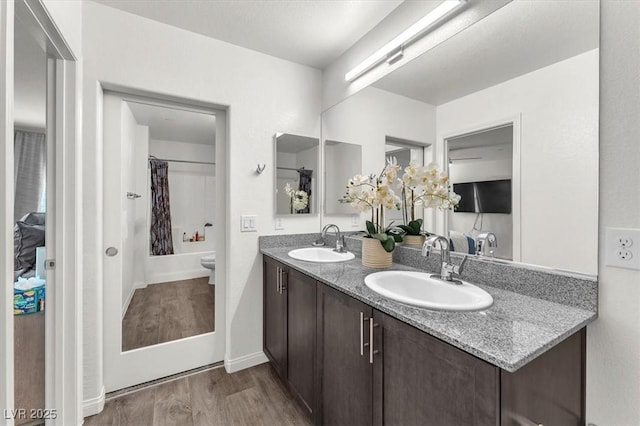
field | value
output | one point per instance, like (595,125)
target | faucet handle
(458,269)
(426,249)
(341,245)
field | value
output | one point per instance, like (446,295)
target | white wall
(67,16)
(264,95)
(366,119)
(613,340)
(558,106)
(342,161)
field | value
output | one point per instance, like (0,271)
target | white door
(124,369)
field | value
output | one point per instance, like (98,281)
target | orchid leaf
(371,228)
(388,242)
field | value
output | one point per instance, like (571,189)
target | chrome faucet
(341,246)
(447,268)
(484,240)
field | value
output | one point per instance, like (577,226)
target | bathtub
(175,267)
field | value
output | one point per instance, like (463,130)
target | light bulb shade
(408,35)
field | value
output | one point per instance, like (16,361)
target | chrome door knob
(111,251)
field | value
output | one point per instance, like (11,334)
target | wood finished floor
(169,311)
(254,396)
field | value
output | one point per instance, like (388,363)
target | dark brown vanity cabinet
(374,369)
(420,380)
(350,364)
(548,390)
(289,329)
(275,315)
(345,378)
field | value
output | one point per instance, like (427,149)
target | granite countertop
(513,331)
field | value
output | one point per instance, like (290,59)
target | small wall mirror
(296,174)
(342,161)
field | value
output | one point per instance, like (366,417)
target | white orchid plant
(298,199)
(375,193)
(425,186)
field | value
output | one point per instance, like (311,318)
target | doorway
(406,152)
(61,374)
(163,298)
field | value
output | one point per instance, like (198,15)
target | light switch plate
(622,248)
(355,220)
(248,223)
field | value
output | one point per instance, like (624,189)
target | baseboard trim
(136,286)
(93,406)
(247,361)
(177,276)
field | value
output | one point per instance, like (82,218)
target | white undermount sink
(320,255)
(420,289)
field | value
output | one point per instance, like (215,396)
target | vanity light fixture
(392,51)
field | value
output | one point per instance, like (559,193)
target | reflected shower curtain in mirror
(161,238)
(305,185)
(30,159)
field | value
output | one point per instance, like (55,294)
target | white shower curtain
(30,162)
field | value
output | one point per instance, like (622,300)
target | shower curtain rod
(289,168)
(180,161)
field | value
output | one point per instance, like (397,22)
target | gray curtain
(161,238)
(305,185)
(30,171)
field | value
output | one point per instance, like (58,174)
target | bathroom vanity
(351,356)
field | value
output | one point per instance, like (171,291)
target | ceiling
(518,38)
(490,144)
(176,125)
(309,32)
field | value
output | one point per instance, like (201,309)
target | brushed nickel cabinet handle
(283,283)
(361,333)
(362,342)
(278,279)
(371,351)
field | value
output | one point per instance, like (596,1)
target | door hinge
(50,264)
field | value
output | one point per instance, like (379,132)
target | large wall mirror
(341,162)
(296,174)
(509,107)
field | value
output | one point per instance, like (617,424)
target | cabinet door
(275,316)
(550,389)
(344,368)
(301,337)
(420,380)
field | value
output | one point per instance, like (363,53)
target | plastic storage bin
(30,300)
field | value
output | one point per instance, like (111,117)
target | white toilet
(209,262)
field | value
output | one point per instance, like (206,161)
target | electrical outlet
(620,249)
(624,254)
(278,224)
(624,241)
(355,220)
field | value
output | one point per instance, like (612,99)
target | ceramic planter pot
(373,255)
(413,240)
